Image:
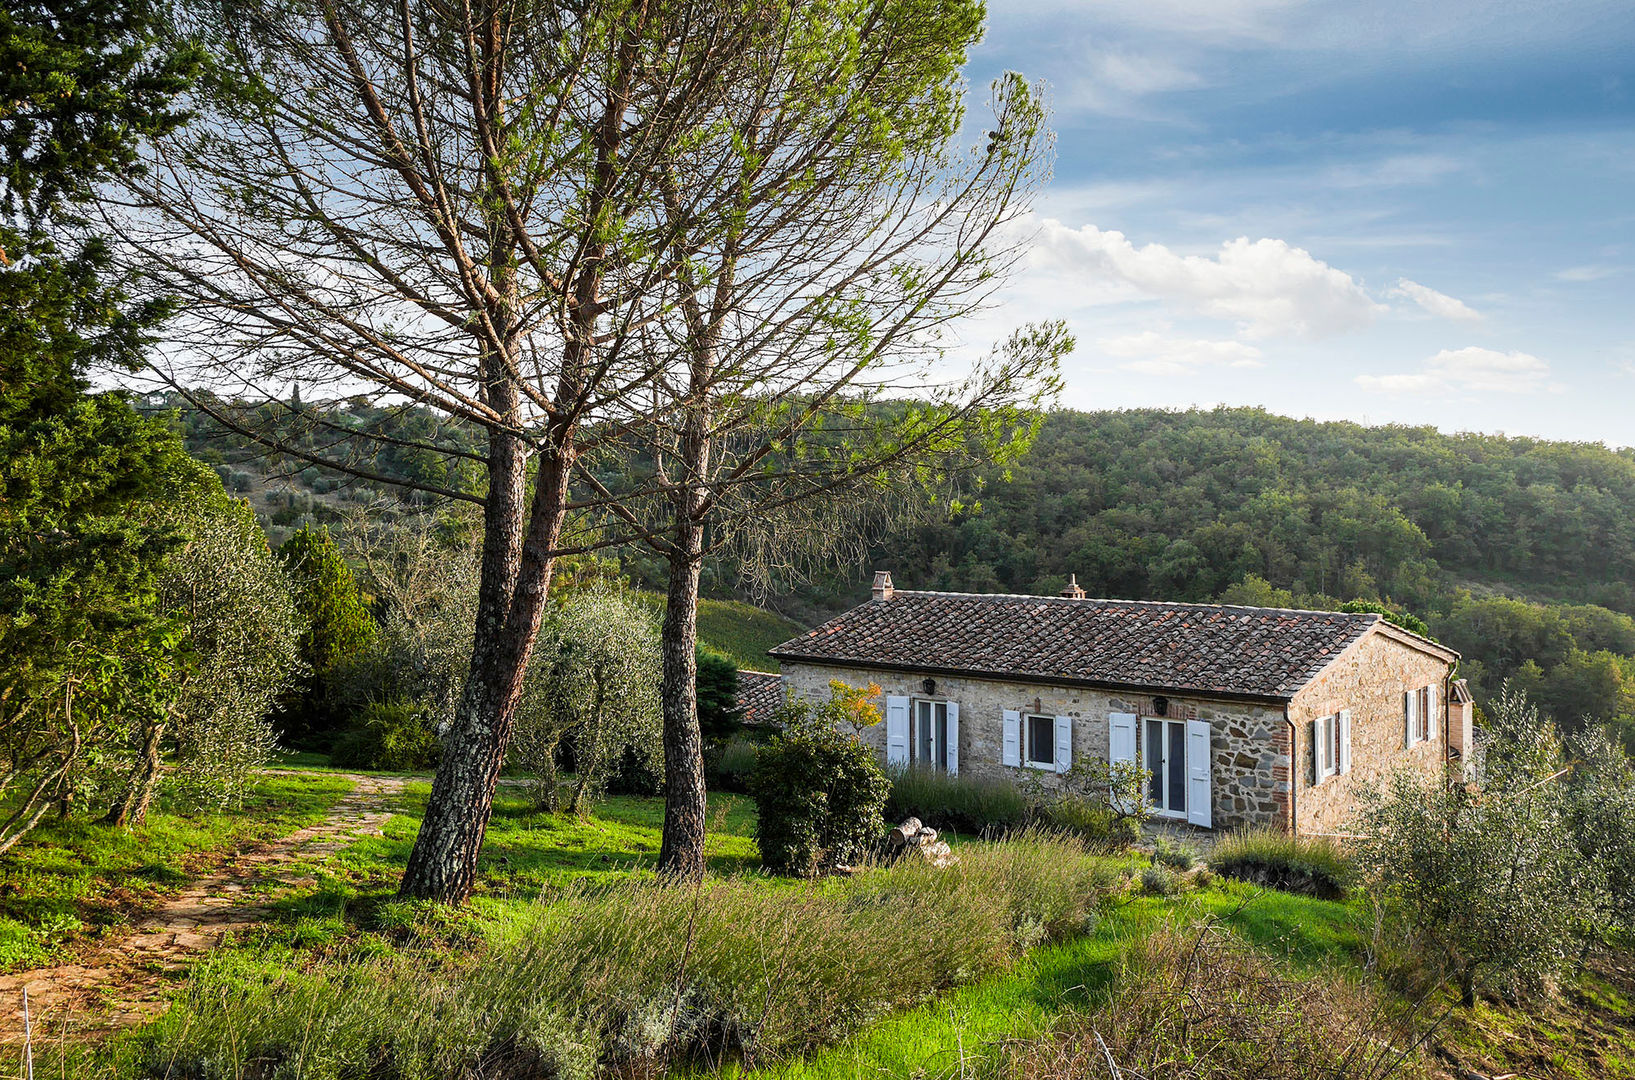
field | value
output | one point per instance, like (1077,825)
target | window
(928,741)
(1041,741)
(1164,758)
(1327,746)
(1419,709)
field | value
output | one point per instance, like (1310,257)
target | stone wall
(1249,744)
(1369,679)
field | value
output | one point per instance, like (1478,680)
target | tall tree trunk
(131,808)
(681,856)
(516,574)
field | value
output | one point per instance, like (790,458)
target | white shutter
(1199,810)
(1433,722)
(1121,739)
(1410,706)
(1010,748)
(953,738)
(1317,754)
(1345,740)
(896,731)
(1064,743)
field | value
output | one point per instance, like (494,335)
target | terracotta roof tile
(1194,648)
(759,695)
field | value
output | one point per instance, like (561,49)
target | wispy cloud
(1586,273)
(1394,171)
(1153,353)
(1471,370)
(1439,304)
(1268,287)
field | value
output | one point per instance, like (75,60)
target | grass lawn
(70,881)
(741,632)
(74,879)
(528,853)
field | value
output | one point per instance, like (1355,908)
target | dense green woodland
(1151,504)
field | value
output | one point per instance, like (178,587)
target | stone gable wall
(1249,743)
(1369,679)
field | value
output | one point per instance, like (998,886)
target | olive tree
(1484,880)
(594,683)
(243,631)
(1602,791)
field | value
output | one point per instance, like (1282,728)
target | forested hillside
(1184,505)
(1518,552)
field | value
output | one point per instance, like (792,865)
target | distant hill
(1182,505)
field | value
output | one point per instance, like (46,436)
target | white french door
(933,738)
(1164,756)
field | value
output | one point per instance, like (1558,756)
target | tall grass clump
(965,804)
(640,975)
(1306,865)
(1201,1004)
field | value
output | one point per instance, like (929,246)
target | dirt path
(122,982)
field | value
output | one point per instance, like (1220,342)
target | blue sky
(1380,211)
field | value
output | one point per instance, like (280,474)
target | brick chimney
(1073,591)
(882,585)
(1461,744)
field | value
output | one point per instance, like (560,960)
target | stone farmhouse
(1239,715)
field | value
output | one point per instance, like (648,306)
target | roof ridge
(1363,616)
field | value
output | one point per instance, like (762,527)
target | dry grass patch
(1201,1004)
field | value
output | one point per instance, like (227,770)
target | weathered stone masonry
(1248,742)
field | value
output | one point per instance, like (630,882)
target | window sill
(1044,766)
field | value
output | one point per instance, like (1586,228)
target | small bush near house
(1160,880)
(819,796)
(964,804)
(638,976)
(1304,865)
(1102,803)
(390,735)
(1200,1004)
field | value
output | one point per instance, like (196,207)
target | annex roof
(1204,649)
(759,695)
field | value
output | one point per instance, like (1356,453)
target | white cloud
(1438,304)
(1152,353)
(1471,370)
(1268,287)
(1585,273)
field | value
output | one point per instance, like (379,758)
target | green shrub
(1170,853)
(819,795)
(639,975)
(390,735)
(1484,887)
(1092,821)
(965,804)
(1159,880)
(1305,865)
(732,767)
